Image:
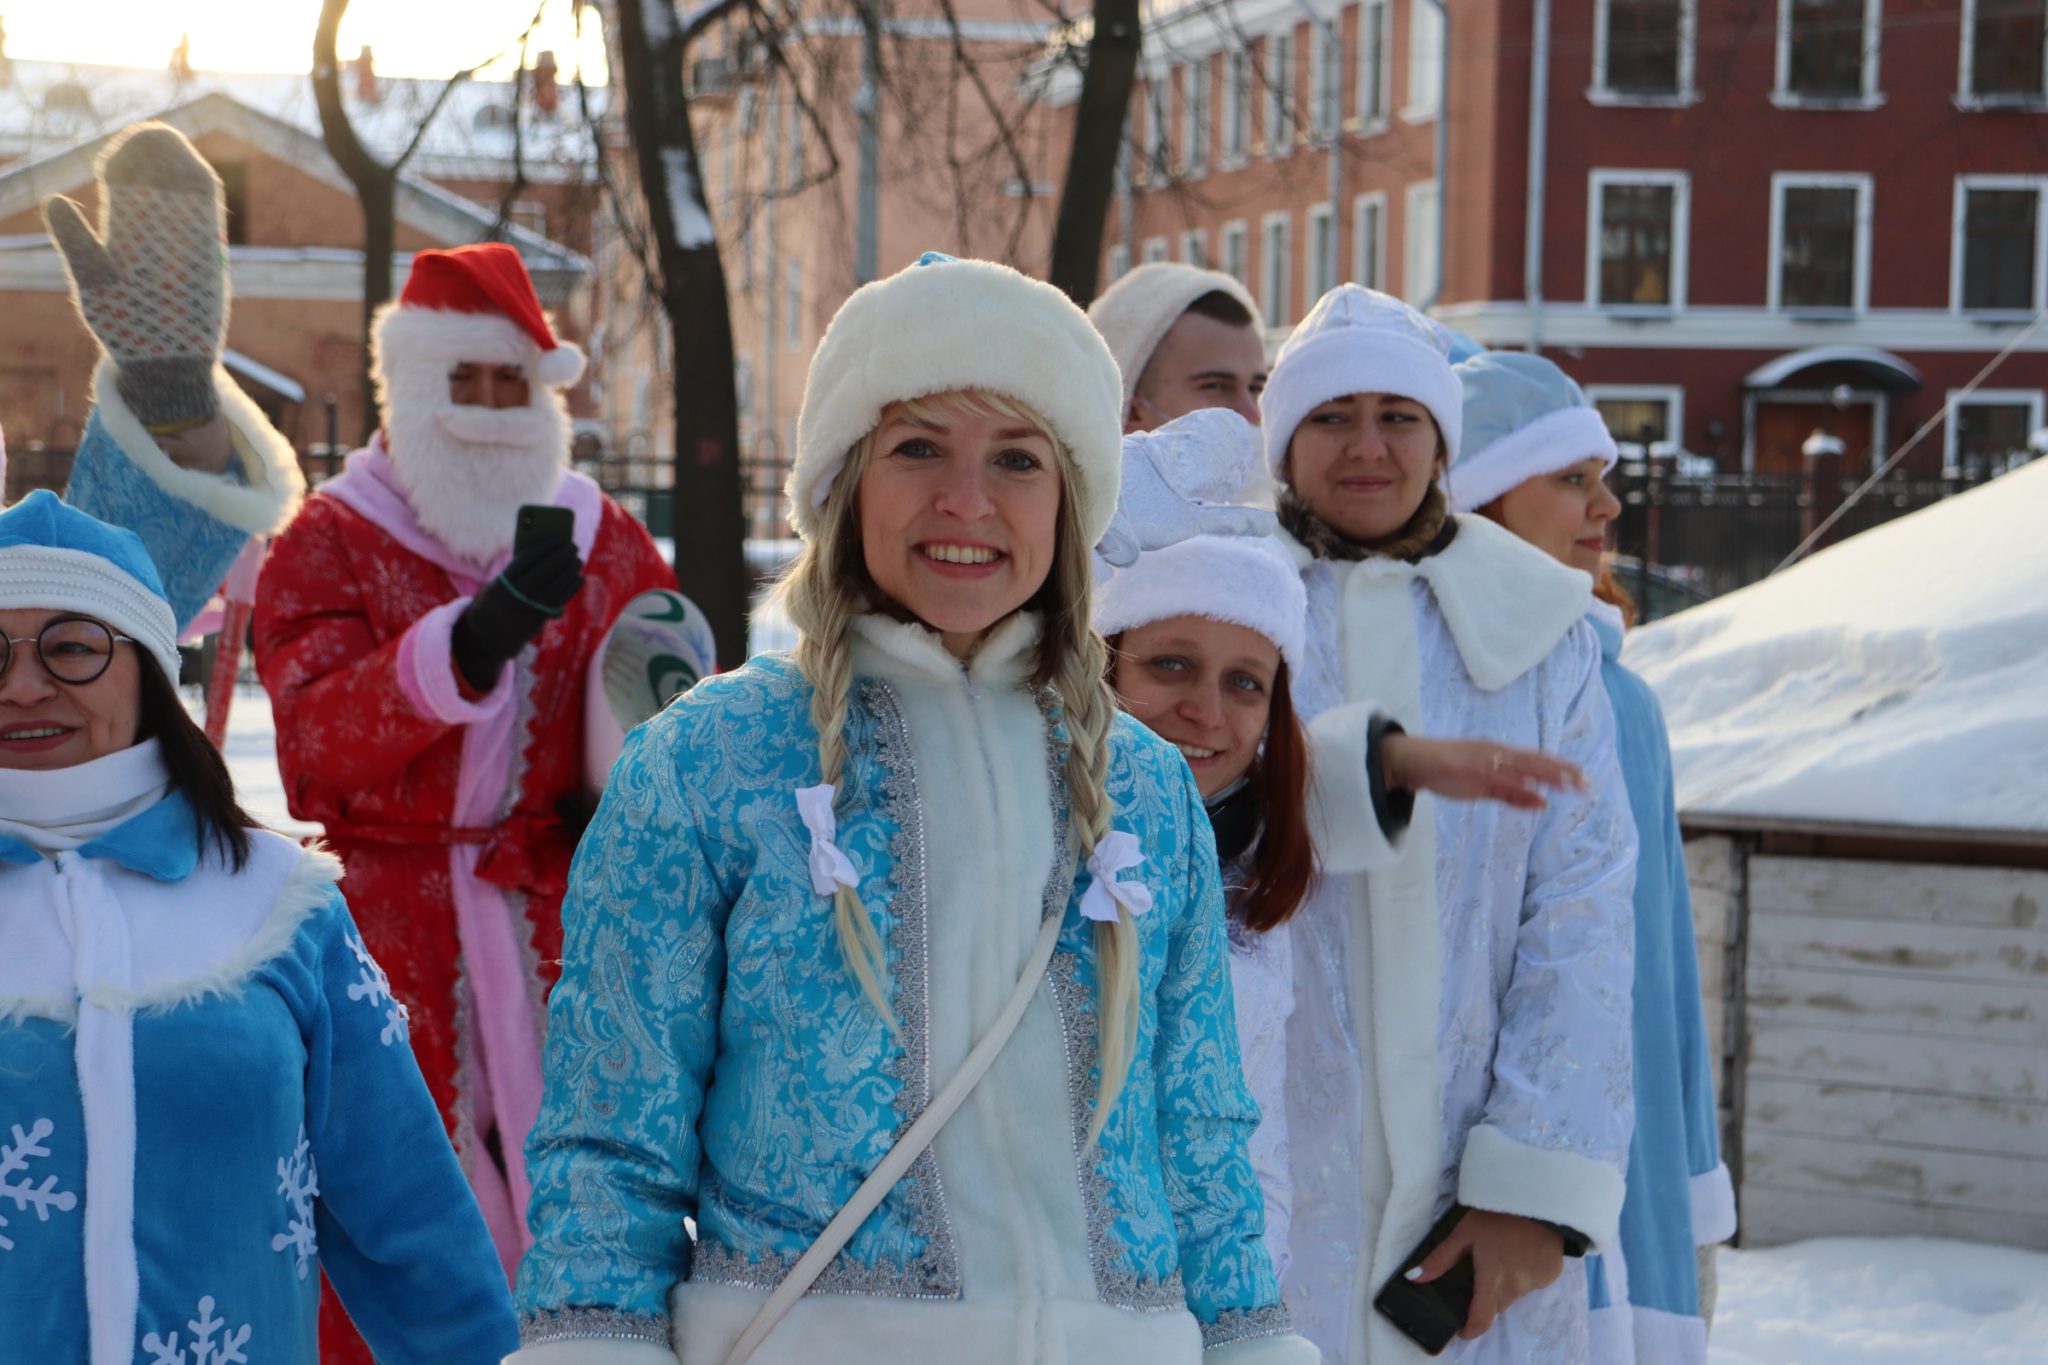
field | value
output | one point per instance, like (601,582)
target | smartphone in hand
(539,522)
(1430,1315)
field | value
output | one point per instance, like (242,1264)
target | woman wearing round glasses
(206,1096)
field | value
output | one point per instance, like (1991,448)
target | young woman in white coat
(1460,1033)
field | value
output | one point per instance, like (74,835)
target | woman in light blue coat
(1538,454)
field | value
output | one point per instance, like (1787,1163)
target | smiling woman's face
(1204,686)
(45,723)
(959,516)
(1363,463)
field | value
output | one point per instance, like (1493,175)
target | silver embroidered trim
(935,1274)
(1247,1324)
(585,1324)
(1116,1283)
(526,682)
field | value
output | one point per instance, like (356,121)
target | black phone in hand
(1430,1315)
(539,521)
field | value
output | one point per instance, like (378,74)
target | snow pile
(1900,677)
(1881,1301)
(251,752)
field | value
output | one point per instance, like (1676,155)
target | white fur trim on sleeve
(1286,1349)
(1341,818)
(1507,1176)
(1713,1207)
(593,1351)
(275,486)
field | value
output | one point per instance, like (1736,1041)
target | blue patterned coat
(711,1056)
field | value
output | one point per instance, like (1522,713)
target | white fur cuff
(593,1351)
(1288,1349)
(269,464)
(1506,1176)
(1713,1207)
(1341,818)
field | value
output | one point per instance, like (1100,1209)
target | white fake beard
(467,470)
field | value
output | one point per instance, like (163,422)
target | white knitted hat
(1177,479)
(1135,313)
(943,325)
(54,557)
(1524,417)
(1358,340)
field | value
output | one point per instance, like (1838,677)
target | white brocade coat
(1461,1020)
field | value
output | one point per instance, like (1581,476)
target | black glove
(535,588)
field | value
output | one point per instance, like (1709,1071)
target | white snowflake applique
(299,1183)
(204,1350)
(26,1194)
(373,988)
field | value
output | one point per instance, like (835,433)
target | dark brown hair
(197,770)
(1223,307)
(1283,864)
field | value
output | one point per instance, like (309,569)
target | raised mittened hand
(1183,480)
(152,282)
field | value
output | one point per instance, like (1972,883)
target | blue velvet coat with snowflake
(711,1056)
(280,1124)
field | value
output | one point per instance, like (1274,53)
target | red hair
(1283,864)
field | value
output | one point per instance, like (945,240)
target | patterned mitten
(152,283)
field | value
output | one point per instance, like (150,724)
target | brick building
(1736,225)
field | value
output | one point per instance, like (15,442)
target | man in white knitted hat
(1185,339)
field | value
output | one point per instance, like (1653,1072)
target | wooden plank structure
(1882,1028)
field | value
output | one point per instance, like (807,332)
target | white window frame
(1159,124)
(1194,248)
(1325,83)
(1195,84)
(1279,74)
(1375,74)
(1235,143)
(1153,251)
(1957,243)
(1671,395)
(1968,98)
(1276,269)
(1373,203)
(1420,248)
(1425,63)
(1833,180)
(1871,98)
(1688,63)
(2029,398)
(1238,233)
(1119,261)
(1319,272)
(1680,184)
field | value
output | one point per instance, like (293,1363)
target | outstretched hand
(1477,770)
(1511,1257)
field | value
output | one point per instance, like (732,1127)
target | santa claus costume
(454,806)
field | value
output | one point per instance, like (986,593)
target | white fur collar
(901,651)
(1506,602)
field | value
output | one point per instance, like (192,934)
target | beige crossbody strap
(907,1149)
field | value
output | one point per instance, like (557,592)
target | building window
(1279,93)
(1998,244)
(1158,113)
(1194,248)
(529,214)
(1369,240)
(1274,247)
(1637,255)
(1155,250)
(1375,72)
(1425,61)
(1325,84)
(1827,51)
(1237,105)
(1420,264)
(1993,430)
(1321,266)
(1119,261)
(2005,51)
(1233,262)
(1643,49)
(792,302)
(1820,230)
(1194,103)
(1639,414)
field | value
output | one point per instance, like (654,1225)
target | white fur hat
(1135,313)
(1524,417)
(1358,340)
(1244,580)
(943,325)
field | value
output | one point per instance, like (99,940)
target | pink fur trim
(426,671)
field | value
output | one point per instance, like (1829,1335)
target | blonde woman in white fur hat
(822,891)
(1461,1028)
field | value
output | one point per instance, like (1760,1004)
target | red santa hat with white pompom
(476,304)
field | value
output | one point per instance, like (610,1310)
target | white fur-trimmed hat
(1358,340)
(1135,313)
(943,325)
(57,558)
(1179,484)
(472,303)
(1524,417)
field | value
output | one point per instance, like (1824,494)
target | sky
(409,37)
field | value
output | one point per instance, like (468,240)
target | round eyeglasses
(74,650)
